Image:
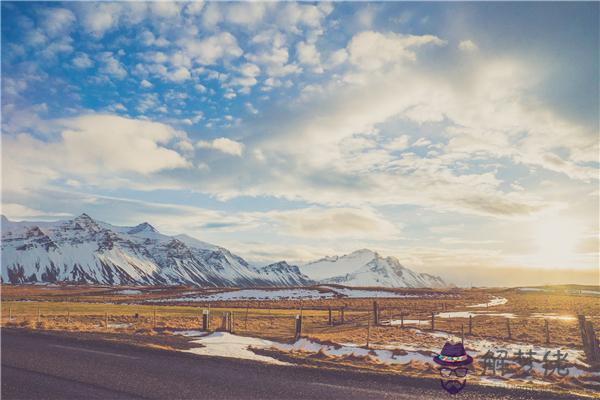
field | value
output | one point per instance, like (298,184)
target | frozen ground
(496,301)
(328,292)
(225,344)
(229,345)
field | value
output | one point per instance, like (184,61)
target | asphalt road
(38,366)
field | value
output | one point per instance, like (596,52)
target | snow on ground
(128,291)
(190,333)
(496,301)
(531,289)
(223,344)
(366,293)
(467,314)
(119,325)
(256,294)
(285,294)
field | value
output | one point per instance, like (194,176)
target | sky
(461,138)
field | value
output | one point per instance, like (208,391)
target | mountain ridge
(84,250)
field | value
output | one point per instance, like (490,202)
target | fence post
(432,321)
(10,312)
(298,327)
(368,332)
(402,319)
(462,333)
(106,319)
(470,325)
(154,318)
(38,314)
(330,318)
(589,340)
(246,318)
(342,315)
(508,328)
(205,320)
(375,313)
(547,331)
(68,316)
(232,322)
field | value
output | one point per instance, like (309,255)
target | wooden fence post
(402,319)
(298,327)
(342,315)
(470,325)
(432,321)
(106,319)
(368,332)
(38,314)
(205,320)
(232,326)
(508,328)
(10,312)
(589,341)
(246,318)
(462,333)
(68,316)
(330,322)
(547,331)
(375,313)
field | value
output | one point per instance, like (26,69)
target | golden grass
(88,306)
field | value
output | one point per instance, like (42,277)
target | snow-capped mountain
(284,274)
(86,250)
(367,268)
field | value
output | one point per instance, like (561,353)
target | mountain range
(85,250)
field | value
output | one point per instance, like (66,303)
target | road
(39,366)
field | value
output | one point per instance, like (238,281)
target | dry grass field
(134,309)
(164,311)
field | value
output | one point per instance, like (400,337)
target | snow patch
(223,344)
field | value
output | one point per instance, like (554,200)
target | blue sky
(455,136)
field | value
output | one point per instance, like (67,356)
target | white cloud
(467,45)
(146,84)
(92,148)
(212,49)
(19,212)
(111,66)
(82,61)
(250,108)
(56,20)
(211,15)
(309,55)
(98,18)
(224,145)
(373,50)
(200,88)
(165,9)
(245,13)
(332,223)
(180,74)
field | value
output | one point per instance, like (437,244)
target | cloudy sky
(461,138)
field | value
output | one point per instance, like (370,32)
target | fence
(380,324)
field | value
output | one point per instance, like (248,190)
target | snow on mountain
(367,268)
(285,274)
(90,251)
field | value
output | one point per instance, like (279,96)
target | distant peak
(143,227)
(364,252)
(84,216)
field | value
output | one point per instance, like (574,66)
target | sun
(556,239)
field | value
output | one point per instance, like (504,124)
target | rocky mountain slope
(90,251)
(367,268)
